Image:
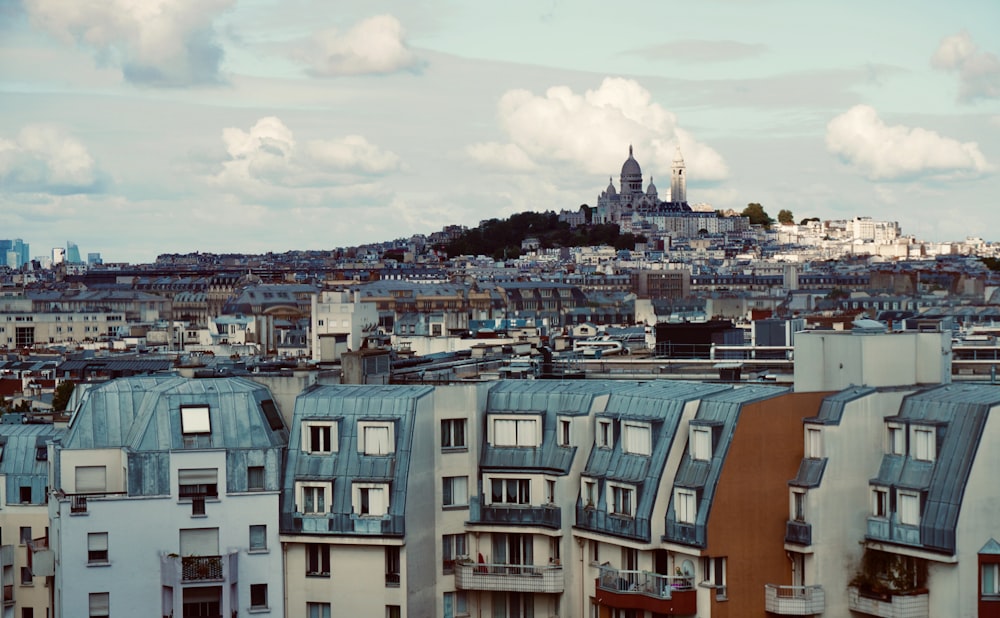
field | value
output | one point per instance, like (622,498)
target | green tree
(785,217)
(808,219)
(991,262)
(60,399)
(757,215)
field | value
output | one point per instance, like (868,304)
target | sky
(140,127)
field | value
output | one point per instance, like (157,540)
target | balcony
(914,604)
(636,528)
(890,529)
(514,514)
(343,523)
(176,570)
(798,532)
(41,559)
(645,591)
(794,600)
(8,594)
(509,577)
(79,503)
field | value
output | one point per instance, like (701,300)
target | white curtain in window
(377,441)
(637,439)
(377,503)
(909,509)
(526,432)
(505,432)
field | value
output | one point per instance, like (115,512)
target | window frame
(685,506)
(604,434)
(257,548)
(700,442)
(564,431)
(301,487)
(453,434)
(530,436)
(98,604)
(363,440)
(98,548)
(448,493)
(904,500)
(362,499)
(257,588)
(993,578)
(522,492)
(813,443)
(331,437)
(923,443)
(450,549)
(632,431)
(317,560)
(895,438)
(621,499)
(196,419)
(880,502)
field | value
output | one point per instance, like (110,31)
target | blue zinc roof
(24,459)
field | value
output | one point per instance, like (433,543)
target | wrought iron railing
(642,582)
(201,568)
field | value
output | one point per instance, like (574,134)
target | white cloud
(373,46)
(978,71)
(267,163)
(501,157)
(592,131)
(45,159)
(154,42)
(700,51)
(882,152)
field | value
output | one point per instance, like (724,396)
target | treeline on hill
(502,238)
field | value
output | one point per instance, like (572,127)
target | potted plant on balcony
(883,575)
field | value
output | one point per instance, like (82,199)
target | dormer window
(371,499)
(510,491)
(685,506)
(922,441)
(814,443)
(516,431)
(621,500)
(319,436)
(195,420)
(375,438)
(909,507)
(605,434)
(636,438)
(564,427)
(700,443)
(895,439)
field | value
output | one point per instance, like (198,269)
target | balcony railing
(642,582)
(798,532)
(794,600)
(601,521)
(509,577)
(890,529)
(914,604)
(514,514)
(647,592)
(78,503)
(201,568)
(344,523)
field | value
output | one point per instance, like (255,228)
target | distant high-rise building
(72,252)
(94,258)
(16,246)
(58,255)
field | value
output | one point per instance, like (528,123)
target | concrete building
(165,500)
(340,323)
(24,516)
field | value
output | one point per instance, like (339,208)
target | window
(510,431)
(453,433)
(375,438)
(25,495)
(896,438)
(319,437)
(814,443)
(393,611)
(715,575)
(564,432)
(550,491)
(27,612)
(685,506)
(371,499)
(595,551)
(317,610)
(636,438)
(195,420)
(198,482)
(700,443)
(26,577)
(317,560)
(991,579)
(258,596)
(455,491)
(923,444)
(100,604)
(589,492)
(255,478)
(90,479)
(452,547)
(880,502)
(909,508)
(25,535)
(313,498)
(455,604)
(510,491)
(630,559)
(97,548)
(258,537)
(799,505)
(392,566)
(274,420)
(605,437)
(621,500)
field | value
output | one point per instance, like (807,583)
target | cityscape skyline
(280,126)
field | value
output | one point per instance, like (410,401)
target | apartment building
(24,517)
(165,500)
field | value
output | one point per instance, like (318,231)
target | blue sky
(138,127)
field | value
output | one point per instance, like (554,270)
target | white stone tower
(678,182)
